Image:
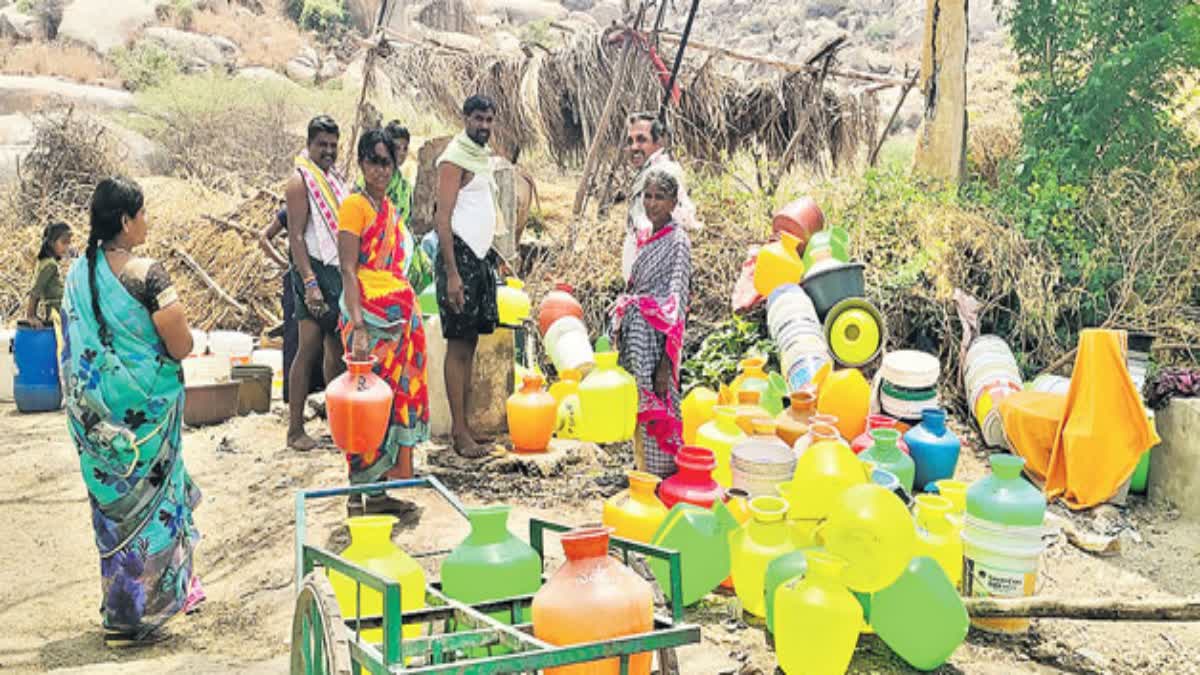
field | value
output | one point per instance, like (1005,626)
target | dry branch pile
(554,100)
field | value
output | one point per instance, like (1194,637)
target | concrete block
(491,384)
(1175,463)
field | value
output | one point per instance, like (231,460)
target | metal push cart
(325,643)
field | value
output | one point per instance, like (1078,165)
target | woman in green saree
(124,390)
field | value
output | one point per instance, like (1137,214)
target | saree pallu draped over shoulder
(124,399)
(648,322)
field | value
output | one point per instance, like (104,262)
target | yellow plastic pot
(871,529)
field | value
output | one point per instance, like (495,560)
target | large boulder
(193,46)
(578,5)
(20,94)
(105,25)
(16,140)
(264,75)
(606,12)
(15,24)
(521,12)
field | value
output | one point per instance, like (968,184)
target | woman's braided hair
(113,199)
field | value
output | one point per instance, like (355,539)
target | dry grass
(54,58)
(270,40)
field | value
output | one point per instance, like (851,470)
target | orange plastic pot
(846,395)
(555,305)
(590,599)
(532,413)
(801,218)
(359,405)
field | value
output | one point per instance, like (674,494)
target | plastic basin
(855,332)
(830,286)
(206,404)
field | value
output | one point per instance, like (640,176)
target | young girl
(47,282)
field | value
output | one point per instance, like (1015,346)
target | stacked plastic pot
(564,334)
(794,327)
(990,374)
(906,385)
(853,327)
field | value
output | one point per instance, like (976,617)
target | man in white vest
(465,270)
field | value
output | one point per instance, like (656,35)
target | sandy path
(50,587)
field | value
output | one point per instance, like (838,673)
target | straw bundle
(554,100)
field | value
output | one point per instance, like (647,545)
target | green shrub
(883,30)
(1098,81)
(317,15)
(145,65)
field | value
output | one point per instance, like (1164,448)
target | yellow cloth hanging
(1102,433)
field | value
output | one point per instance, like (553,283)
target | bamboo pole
(1171,609)
(887,128)
(610,104)
(787,66)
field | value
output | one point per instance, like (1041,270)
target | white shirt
(474,216)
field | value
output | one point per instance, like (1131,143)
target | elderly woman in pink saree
(648,323)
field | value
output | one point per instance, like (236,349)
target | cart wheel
(320,645)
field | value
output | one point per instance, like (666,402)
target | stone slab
(1175,463)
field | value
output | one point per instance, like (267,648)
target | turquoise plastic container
(1004,497)
(887,455)
(921,617)
(934,449)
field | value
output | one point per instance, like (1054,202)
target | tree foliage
(1098,80)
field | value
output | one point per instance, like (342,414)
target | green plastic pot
(702,538)
(1141,474)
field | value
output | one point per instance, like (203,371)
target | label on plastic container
(981,580)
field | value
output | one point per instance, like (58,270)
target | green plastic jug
(764,538)
(607,414)
(702,538)
(371,548)
(887,455)
(491,564)
(780,570)
(816,619)
(920,616)
(1004,497)
(938,537)
(720,435)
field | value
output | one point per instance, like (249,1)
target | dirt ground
(50,589)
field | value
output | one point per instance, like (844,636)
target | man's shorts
(480,315)
(329,280)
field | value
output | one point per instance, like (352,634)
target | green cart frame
(325,643)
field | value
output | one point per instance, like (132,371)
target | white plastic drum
(199,343)
(237,347)
(7,369)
